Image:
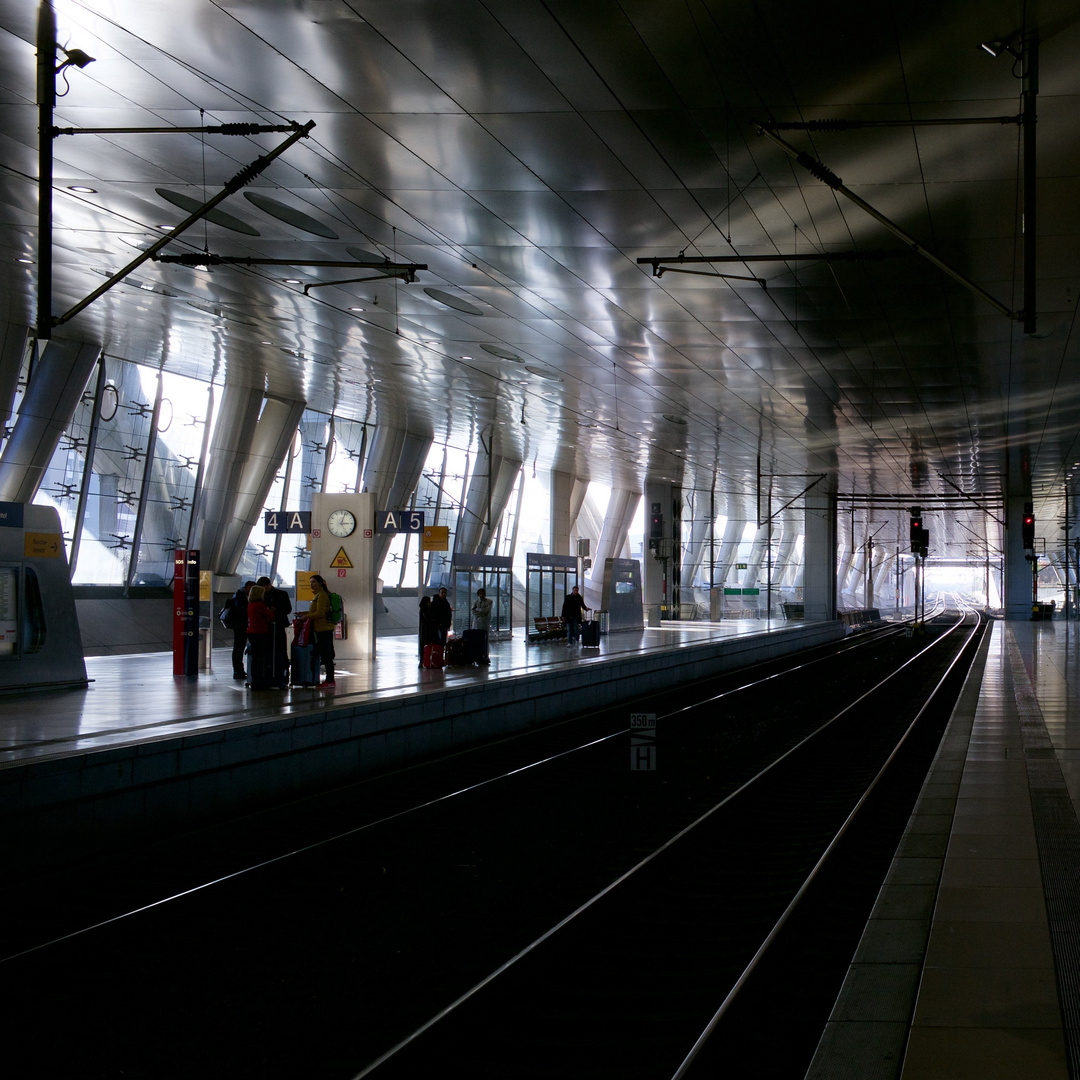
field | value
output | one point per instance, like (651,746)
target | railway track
(494,913)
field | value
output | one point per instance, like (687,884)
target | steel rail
(467,995)
(810,878)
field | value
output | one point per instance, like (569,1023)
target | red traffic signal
(1027,529)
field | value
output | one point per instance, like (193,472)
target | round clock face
(341,522)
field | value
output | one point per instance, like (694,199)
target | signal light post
(920,543)
(1027,534)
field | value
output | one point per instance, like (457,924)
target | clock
(341,522)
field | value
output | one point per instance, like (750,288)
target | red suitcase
(433,656)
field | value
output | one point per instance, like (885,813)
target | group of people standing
(437,616)
(260,623)
(261,615)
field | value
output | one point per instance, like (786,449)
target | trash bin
(204,648)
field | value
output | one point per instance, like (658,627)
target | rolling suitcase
(590,634)
(457,652)
(474,646)
(433,656)
(302,669)
(260,663)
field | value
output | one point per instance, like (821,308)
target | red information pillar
(186,612)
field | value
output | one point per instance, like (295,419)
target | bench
(547,627)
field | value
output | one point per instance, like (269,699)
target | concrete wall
(88,803)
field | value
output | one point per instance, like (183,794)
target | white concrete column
(819,555)
(56,385)
(234,434)
(621,510)
(271,441)
(561,493)
(489,491)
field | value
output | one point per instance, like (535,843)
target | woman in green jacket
(319,613)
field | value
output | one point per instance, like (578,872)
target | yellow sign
(341,561)
(436,538)
(43,545)
(304,590)
(205,592)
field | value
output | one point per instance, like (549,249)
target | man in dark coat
(279,603)
(443,614)
(573,611)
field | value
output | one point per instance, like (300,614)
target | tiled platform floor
(970,954)
(136,698)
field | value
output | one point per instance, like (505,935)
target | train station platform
(141,750)
(969,968)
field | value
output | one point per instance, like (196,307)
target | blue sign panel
(11,514)
(287,521)
(399,521)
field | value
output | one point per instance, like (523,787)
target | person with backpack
(322,622)
(236,607)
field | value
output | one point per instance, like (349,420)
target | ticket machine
(40,643)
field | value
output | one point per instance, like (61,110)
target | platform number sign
(399,521)
(287,521)
(642,742)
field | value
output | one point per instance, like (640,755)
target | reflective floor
(968,961)
(136,698)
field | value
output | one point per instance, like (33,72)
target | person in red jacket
(260,629)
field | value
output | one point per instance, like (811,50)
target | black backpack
(227,615)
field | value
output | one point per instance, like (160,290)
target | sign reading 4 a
(287,521)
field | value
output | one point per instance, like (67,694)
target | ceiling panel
(529,153)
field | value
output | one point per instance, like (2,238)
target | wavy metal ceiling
(529,154)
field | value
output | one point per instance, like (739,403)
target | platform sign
(436,538)
(304,591)
(642,742)
(399,521)
(287,521)
(42,545)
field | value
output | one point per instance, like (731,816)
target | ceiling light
(290,215)
(215,217)
(293,281)
(83,189)
(456,302)
(356,309)
(25,259)
(501,353)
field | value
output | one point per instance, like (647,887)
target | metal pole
(144,487)
(1030,62)
(46,95)
(88,469)
(200,472)
(276,557)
